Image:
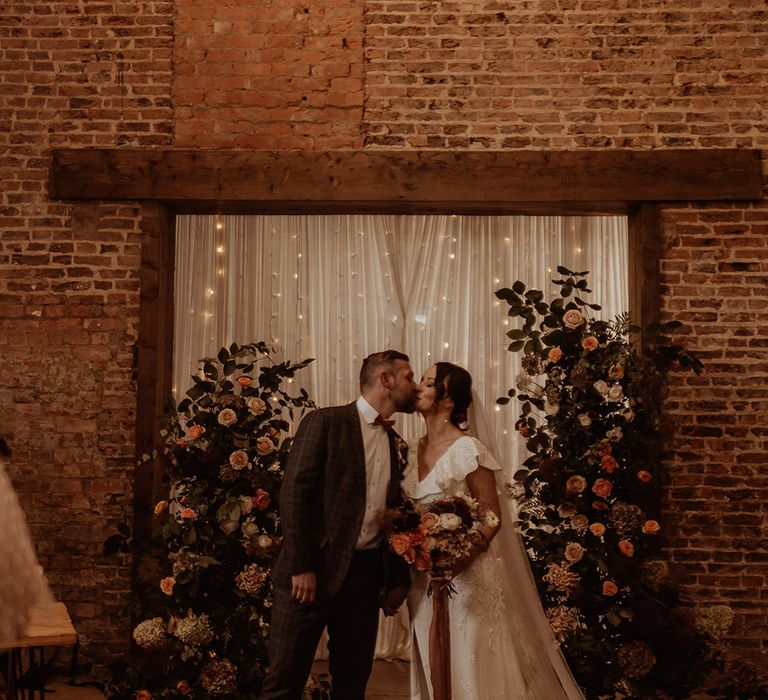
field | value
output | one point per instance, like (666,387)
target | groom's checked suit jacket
(322,500)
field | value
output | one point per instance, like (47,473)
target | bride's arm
(482,486)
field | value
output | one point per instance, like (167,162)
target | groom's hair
(378,362)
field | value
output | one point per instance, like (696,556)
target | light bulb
(220,249)
(446,345)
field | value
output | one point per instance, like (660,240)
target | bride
(500,643)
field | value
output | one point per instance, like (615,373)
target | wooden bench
(49,625)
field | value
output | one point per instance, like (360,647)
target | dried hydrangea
(251,579)
(714,620)
(561,578)
(655,572)
(150,633)
(626,518)
(229,401)
(183,560)
(219,676)
(227,473)
(194,630)
(532,364)
(580,377)
(636,659)
(562,621)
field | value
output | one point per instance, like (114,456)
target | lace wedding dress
(501,646)
(22,584)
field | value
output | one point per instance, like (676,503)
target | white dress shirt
(377,474)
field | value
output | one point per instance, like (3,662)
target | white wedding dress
(22,584)
(501,646)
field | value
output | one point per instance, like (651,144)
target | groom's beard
(404,404)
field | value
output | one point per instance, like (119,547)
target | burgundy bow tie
(380,420)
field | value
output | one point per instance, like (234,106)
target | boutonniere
(401,452)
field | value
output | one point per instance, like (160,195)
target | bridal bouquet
(434,536)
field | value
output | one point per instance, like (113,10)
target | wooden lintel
(404,180)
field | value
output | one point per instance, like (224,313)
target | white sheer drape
(339,287)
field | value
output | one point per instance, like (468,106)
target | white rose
(229,526)
(535,390)
(614,434)
(227,417)
(250,529)
(584,420)
(601,387)
(573,318)
(450,521)
(238,459)
(522,380)
(615,393)
(264,541)
(491,519)
(256,405)
(246,504)
(551,408)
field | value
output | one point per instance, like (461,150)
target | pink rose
(261,499)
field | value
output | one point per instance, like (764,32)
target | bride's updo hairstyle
(455,383)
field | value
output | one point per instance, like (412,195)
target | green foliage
(590,394)
(203,624)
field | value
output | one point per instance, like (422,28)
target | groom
(334,568)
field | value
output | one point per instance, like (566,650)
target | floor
(389,681)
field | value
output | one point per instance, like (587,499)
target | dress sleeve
(467,456)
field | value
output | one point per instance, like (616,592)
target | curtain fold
(339,287)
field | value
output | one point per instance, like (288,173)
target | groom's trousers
(352,618)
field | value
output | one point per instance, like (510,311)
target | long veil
(544,668)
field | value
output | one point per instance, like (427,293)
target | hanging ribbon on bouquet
(440,642)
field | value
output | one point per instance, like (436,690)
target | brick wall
(376,74)
(74,74)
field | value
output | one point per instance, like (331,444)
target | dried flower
(219,677)
(562,621)
(531,363)
(580,377)
(714,620)
(150,633)
(251,579)
(227,473)
(654,572)
(626,518)
(561,578)
(194,630)
(636,658)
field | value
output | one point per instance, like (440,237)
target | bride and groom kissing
(346,467)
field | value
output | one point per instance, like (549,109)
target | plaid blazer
(322,499)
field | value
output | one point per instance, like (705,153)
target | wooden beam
(489,181)
(644,252)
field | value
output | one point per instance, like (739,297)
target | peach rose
(574,552)
(250,528)
(417,535)
(573,318)
(160,506)
(400,543)
(608,464)
(261,499)
(264,541)
(188,513)
(423,560)
(238,459)
(143,695)
(227,417)
(589,343)
(167,584)
(256,405)
(597,529)
(579,522)
(244,381)
(576,484)
(602,488)
(566,510)
(183,687)
(616,371)
(429,521)
(229,526)
(644,476)
(651,527)
(627,548)
(195,431)
(610,588)
(265,446)
(246,504)
(555,355)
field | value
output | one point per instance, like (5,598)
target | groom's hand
(304,587)
(393,599)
